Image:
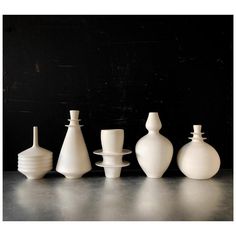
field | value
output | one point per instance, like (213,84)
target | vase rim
(109,130)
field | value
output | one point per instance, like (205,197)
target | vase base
(73,177)
(154,176)
(36,177)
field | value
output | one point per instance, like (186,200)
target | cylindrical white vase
(112,151)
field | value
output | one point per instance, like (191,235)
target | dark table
(130,197)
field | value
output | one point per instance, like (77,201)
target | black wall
(115,69)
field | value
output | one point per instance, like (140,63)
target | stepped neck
(74,118)
(197,134)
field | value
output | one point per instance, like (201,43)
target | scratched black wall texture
(115,69)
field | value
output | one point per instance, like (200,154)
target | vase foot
(112,172)
(73,177)
(154,176)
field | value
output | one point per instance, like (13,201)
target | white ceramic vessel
(31,162)
(112,140)
(197,159)
(32,166)
(112,152)
(73,160)
(154,151)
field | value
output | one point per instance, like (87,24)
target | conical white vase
(73,160)
(197,159)
(154,151)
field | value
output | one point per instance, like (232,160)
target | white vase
(112,152)
(73,160)
(197,159)
(154,151)
(36,161)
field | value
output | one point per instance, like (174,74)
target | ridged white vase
(197,159)
(36,161)
(73,160)
(154,151)
(112,152)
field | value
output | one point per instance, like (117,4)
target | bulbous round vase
(154,151)
(197,159)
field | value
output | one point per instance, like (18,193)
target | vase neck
(35,136)
(153,123)
(197,134)
(156,132)
(74,118)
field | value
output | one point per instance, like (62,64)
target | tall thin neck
(35,136)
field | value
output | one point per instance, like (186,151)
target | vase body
(154,151)
(73,160)
(197,159)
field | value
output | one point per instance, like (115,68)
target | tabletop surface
(129,198)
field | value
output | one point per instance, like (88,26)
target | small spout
(35,136)
(197,129)
(74,114)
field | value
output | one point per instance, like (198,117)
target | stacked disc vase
(112,152)
(36,161)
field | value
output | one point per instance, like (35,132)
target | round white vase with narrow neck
(154,151)
(73,160)
(197,159)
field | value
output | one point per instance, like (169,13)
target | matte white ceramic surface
(102,164)
(197,159)
(73,160)
(34,174)
(154,151)
(35,158)
(112,140)
(124,152)
(35,165)
(112,152)
(112,172)
(35,150)
(36,161)
(42,169)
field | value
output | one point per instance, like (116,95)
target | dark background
(115,69)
